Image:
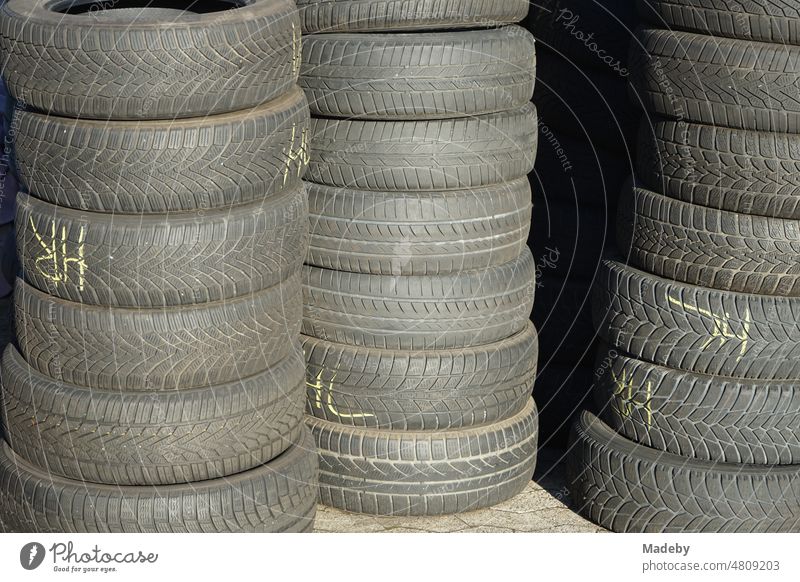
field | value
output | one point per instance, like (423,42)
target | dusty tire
(418,76)
(155,167)
(703,417)
(709,247)
(126,67)
(161,438)
(419,313)
(718,81)
(425,473)
(378,15)
(161,260)
(426,233)
(761,20)
(280,496)
(414,156)
(157,349)
(696,329)
(427,390)
(629,488)
(749,172)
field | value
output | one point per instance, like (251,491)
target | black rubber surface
(418,75)
(123,67)
(419,233)
(762,20)
(697,329)
(421,312)
(364,15)
(423,155)
(425,473)
(161,260)
(703,417)
(718,81)
(208,162)
(709,247)
(630,488)
(280,496)
(749,172)
(157,349)
(161,438)
(420,390)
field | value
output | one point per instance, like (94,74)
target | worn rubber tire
(379,15)
(629,488)
(416,156)
(155,167)
(761,20)
(420,75)
(162,438)
(749,172)
(425,473)
(7,333)
(121,67)
(709,247)
(711,418)
(696,329)
(717,81)
(157,349)
(280,496)
(161,260)
(425,233)
(590,33)
(430,390)
(419,313)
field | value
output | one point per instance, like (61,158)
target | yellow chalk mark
(623,391)
(323,395)
(722,330)
(57,256)
(297,153)
(297,48)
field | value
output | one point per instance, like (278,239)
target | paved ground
(544,506)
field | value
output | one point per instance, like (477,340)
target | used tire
(419,75)
(762,20)
(696,329)
(155,167)
(414,156)
(425,473)
(749,172)
(161,260)
(419,313)
(221,55)
(365,15)
(280,496)
(718,81)
(158,438)
(709,247)
(157,349)
(629,488)
(428,390)
(711,418)
(426,233)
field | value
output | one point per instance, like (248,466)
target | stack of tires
(699,383)
(585,138)
(158,383)
(419,284)
(8,194)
